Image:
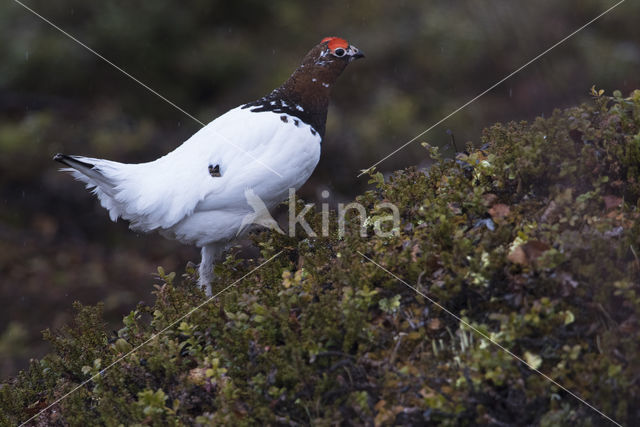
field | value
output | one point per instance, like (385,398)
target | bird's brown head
(310,84)
(326,61)
(306,93)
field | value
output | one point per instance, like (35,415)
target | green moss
(532,240)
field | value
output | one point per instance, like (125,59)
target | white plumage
(176,194)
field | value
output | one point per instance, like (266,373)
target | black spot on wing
(214,171)
(284,119)
(296,122)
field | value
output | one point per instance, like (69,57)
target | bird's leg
(210,254)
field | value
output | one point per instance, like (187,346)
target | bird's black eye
(339,52)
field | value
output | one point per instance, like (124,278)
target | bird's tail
(143,194)
(99,175)
(86,170)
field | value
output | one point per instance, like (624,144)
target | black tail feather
(87,172)
(70,161)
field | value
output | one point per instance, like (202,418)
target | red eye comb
(335,42)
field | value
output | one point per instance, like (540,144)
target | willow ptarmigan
(196,193)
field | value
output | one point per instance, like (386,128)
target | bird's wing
(210,171)
(267,155)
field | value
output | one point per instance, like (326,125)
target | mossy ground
(533,239)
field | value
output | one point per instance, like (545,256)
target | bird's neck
(305,94)
(308,90)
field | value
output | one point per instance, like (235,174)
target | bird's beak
(357,53)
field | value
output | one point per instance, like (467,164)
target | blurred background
(424,60)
